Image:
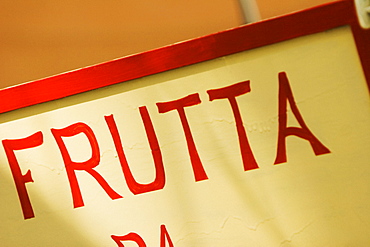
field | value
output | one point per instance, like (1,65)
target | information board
(256,136)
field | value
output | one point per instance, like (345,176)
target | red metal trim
(205,48)
(362,39)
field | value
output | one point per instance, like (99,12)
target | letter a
(164,236)
(285,94)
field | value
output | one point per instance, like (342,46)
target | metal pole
(363,12)
(250,11)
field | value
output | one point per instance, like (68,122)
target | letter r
(88,166)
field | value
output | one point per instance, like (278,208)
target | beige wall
(43,38)
(269,8)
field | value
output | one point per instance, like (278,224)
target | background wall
(41,38)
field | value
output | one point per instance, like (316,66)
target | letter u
(133,185)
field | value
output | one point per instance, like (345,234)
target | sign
(256,136)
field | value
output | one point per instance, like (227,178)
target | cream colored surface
(308,201)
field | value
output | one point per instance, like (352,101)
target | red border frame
(314,20)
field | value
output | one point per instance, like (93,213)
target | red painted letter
(179,105)
(129,237)
(230,93)
(285,94)
(164,236)
(87,166)
(20,180)
(134,186)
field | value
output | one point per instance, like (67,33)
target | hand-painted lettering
(165,235)
(87,166)
(230,93)
(286,95)
(179,105)
(129,237)
(133,185)
(20,180)
(134,237)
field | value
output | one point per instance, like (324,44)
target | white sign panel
(264,147)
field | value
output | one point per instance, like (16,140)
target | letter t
(179,105)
